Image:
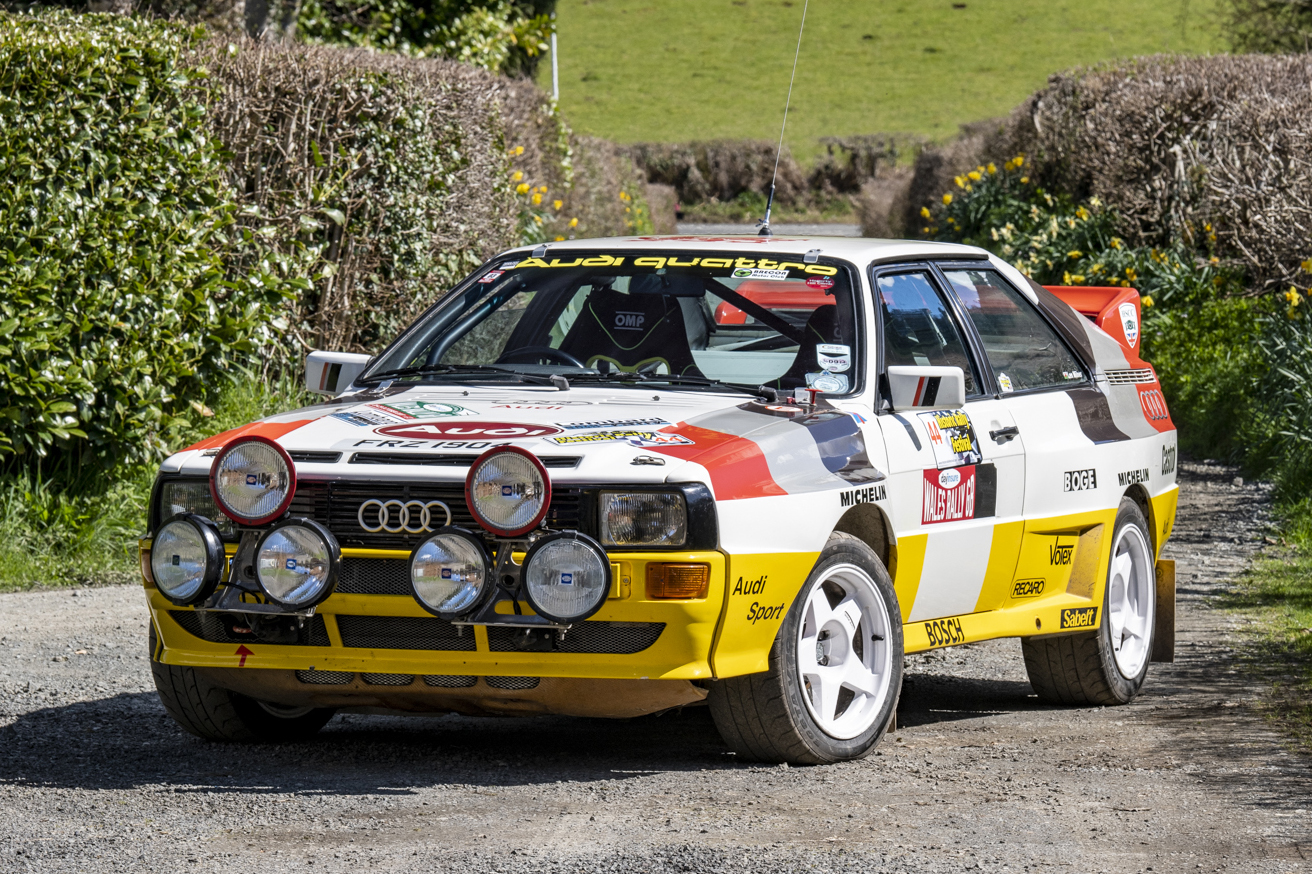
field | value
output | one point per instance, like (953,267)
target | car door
(956,477)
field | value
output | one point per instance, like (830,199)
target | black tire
(213,713)
(764,717)
(1082,668)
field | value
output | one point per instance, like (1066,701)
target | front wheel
(835,668)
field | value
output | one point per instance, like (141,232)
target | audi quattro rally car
(612,477)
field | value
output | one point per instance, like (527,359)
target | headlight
(296,563)
(450,573)
(508,491)
(193,496)
(186,559)
(253,480)
(566,576)
(643,519)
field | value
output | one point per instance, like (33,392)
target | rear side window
(1024,351)
(918,327)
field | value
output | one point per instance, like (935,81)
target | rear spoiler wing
(1115,310)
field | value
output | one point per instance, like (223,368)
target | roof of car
(852,248)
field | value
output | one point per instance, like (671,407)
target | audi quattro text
(613,477)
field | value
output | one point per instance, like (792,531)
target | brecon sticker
(757,273)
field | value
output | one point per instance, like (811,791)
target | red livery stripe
(272,430)
(736,464)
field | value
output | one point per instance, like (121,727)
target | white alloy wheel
(1131,599)
(844,660)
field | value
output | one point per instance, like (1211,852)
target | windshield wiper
(668,378)
(440,370)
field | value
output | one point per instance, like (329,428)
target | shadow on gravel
(931,698)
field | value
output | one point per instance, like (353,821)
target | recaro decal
(1079,617)
(1027,588)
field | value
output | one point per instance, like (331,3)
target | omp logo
(1130,477)
(1079,480)
(1154,405)
(1060,553)
(868,495)
(629,321)
(1027,589)
(1168,460)
(1079,617)
(944,632)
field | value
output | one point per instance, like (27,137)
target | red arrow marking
(243,652)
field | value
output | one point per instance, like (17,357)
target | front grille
(337,506)
(445,459)
(512,683)
(316,457)
(1130,377)
(448,681)
(614,638)
(388,679)
(325,678)
(214,628)
(403,632)
(374,576)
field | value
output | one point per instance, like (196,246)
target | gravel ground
(94,776)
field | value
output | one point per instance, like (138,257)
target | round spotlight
(508,491)
(450,574)
(186,559)
(296,563)
(566,576)
(253,480)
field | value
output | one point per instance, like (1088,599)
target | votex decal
(952,438)
(467,430)
(949,495)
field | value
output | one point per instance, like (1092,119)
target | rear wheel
(835,668)
(214,713)
(1107,666)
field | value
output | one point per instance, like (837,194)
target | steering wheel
(533,353)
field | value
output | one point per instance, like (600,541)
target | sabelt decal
(952,438)
(611,423)
(949,495)
(1080,480)
(468,430)
(1168,460)
(1133,477)
(1079,617)
(868,495)
(1027,589)
(636,438)
(944,632)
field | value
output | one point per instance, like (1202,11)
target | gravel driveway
(94,776)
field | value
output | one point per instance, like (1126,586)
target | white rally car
(613,477)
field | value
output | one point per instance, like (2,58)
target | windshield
(679,316)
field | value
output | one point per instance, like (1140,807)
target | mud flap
(1164,630)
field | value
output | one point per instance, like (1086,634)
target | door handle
(1002,435)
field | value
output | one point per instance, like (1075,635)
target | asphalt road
(94,776)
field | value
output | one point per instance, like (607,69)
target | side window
(1024,351)
(918,327)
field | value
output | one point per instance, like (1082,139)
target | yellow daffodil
(557,204)
(947,198)
(1074,253)
(993,168)
(1116,242)
(537,199)
(537,219)
(975,175)
(1020,160)
(573,223)
(558,239)
(1293,296)
(1147,300)
(960,180)
(1024,180)
(924,212)
(1131,274)
(519,150)
(522,188)
(1307,266)
(516,176)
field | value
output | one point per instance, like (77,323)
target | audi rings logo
(412,517)
(1154,405)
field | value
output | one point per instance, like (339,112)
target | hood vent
(439,459)
(316,457)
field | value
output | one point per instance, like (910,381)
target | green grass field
(676,70)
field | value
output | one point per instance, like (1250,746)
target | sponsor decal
(527,407)
(1004,382)
(446,573)
(1130,323)
(1153,404)
(1132,477)
(426,444)
(767,266)
(833,357)
(1060,553)
(634,438)
(868,495)
(828,383)
(820,283)
(1072,374)
(1079,617)
(952,438)
(756,612)
(1168,460)
(598,260)
(783,408)
(395,516)
(944,632)
(612,423)
(470,430)
(290,564)
(1027,589)
(629,321)
(751,587)
(949,495)
(1079,480)
(757,273)
(420,409)
(491,276)
(566,579)
(365,418)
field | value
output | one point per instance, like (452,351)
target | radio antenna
(769,203)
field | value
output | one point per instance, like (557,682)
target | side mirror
(328,373)
(927,388)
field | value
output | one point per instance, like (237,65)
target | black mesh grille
(442,459)
(214,628)
(444,681)
(512,683)
(615,638)
(337,506)
(374,576)
(388,679)
(325,678)
(316,457)
(402,632)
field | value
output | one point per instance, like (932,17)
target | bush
(117,307)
